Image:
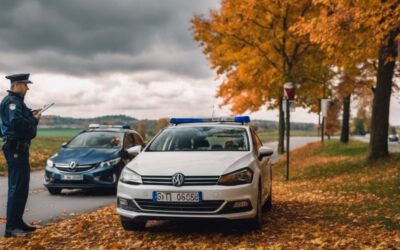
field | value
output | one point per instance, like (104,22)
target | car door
(129,142)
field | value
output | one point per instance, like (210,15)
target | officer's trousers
(18,183)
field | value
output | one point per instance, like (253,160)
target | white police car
(198,168)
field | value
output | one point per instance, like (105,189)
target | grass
(369,191)
(269,136)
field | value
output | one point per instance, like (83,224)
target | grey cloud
(100,36)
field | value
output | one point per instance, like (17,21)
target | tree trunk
(344,136)
(378,147)
(281,138)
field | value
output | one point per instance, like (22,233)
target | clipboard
(46,107)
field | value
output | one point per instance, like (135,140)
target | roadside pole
(324,112)
(287,138)
(289,100)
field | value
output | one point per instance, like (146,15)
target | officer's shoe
(29,228)
(15,232)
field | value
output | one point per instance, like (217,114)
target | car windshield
(215,138)
(97,139)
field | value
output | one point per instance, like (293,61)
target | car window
(201,139)
(96,139)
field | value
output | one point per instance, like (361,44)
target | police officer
(18,126)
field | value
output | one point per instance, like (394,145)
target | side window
(129,141)
(138,139)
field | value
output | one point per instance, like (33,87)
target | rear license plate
(72,177)
(177,196)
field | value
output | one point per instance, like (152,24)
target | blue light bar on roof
(185,120)
(243,119)
(240,119)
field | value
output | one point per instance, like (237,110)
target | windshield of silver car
(97,139)
(201,139)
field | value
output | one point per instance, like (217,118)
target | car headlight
(49,163)
(110,162)
(130,177)
(241,176)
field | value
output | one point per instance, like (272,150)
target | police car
(198,168)
(92,159)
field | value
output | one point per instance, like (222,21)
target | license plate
(177,196)
(72,177)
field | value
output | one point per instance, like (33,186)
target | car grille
(77,169)
(188,180)
(176,207)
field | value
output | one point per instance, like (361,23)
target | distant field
(58,132)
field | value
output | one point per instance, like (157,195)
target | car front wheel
(132,224)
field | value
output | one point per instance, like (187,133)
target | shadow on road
(87,192)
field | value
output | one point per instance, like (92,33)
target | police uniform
(18,126)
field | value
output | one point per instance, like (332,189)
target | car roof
(110,130)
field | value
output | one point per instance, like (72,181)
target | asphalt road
(44,208)
(393,146)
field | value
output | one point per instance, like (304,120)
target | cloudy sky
(101,57)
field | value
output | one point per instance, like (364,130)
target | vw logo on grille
(178,179)
(72,165)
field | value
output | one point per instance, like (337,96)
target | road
(393,146)
(44,208)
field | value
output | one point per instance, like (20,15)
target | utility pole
(289,91)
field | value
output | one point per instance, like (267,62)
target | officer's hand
(37,116)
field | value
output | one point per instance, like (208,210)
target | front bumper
(106,177)
(217,202)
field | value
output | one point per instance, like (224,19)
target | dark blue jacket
(17,120)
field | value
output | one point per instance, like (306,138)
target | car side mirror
(135,150)
(264,152)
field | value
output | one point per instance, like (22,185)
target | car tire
(256,222)
(132,224)
(268,203)
(54,191)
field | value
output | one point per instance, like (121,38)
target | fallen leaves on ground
(305,215)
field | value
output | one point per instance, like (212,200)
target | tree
(161,123)
(251,45)
(332,119)
(362,120)
(353,32)
(141,129)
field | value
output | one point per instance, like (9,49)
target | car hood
(85,156)
(189,163)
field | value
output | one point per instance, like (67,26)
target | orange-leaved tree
(353,32)
(251,46)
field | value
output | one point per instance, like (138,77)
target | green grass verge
(269,136)
(343,169)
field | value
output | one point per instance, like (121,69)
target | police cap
(24,78)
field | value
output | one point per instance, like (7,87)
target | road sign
(324,107)
(292,106)
(289,91)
